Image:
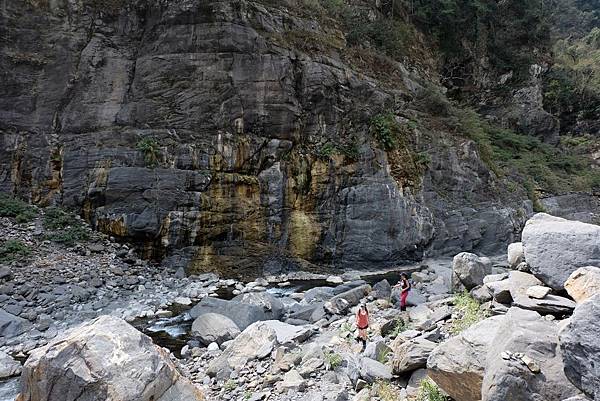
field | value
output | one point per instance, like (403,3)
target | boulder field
(481,328)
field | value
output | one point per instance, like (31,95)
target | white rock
(516,254)
(538,292)
(583,283)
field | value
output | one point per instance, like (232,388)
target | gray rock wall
(240,113)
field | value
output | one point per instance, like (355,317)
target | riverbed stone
(372,370)
(340,303)
(457,365)
(555,247)
(103,359)
(213,327)
(272,306)
(516,254)
(8,366)
(535,371)
(242,314)
(538,291)
(256,342)
(583,283)
(411,355)
(382,290)
(580,347)
(11,325)
(468,271)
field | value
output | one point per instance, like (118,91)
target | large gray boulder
(11,325)
(242,314)
(105,359)
(382,290)
(308,313)
(555,247)
(272,306)
(212,327)
(256,342)
(524,362)
(525,291)
(458,364)
(513,357)
(411,355)
(581,348)
(340,303)
(372,370)
(468,271)
(583,283)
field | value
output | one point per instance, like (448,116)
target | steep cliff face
(234,136)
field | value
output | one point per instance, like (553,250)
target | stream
(174,332)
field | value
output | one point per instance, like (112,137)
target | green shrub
(64,227)
(386,392)
(382,356)
(429,391)
(12,250)
(150,148)
(536,164)
(332,360)
(390,36)
(230,385)
(14,207)
(385,129)
(326,151)
(469,312)
(399,328)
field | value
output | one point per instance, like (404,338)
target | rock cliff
(234,136)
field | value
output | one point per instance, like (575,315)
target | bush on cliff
(64,227)
(12,250)
(15,207)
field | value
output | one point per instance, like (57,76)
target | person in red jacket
(362,321)
(404,285)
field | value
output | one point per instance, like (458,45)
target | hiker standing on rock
(362,321)
(404,285)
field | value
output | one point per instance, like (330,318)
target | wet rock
(103,359)
(556,247)
(468,271)
(213,327)
(583,283)
(580,347)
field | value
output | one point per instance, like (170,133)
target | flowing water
(174,332)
